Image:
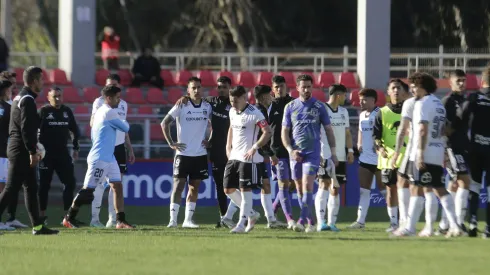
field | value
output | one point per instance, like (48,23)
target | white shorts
(99,172)
(4,169)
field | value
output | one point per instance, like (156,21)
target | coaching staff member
(22,149)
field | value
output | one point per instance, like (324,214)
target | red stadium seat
(348,79)
(134,96)
(182,77)
(213,92)
(18,76)
(229,75)
(81,110)
(315,84)
(100,76)
(442,83)
(472,82)
(173,95)
(289,77)
(294,93)
(126,77)
(88,130)
(145,110)
(354,98)
(265,78)
(246,79)
(207,78)
(90,94)
(320,95)
(251,97)
(155,96)
(381,101)
(168,78)
(46,79)
(71,95)
(156,132)
(58,77)
(325,79)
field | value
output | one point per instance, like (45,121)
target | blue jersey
(106,122)
(306,119)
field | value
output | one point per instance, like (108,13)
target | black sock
(72,213)
(488,213)
(120,217)
(474,201)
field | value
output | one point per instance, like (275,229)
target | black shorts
(196,168)
(120,155)
(339,172)
(371,167)
(431,176)
(244,175)
(457,162)
(388,176)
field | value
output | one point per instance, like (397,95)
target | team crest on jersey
(342,116)
(314,112)
(65,114)
(50,116)
(204,112)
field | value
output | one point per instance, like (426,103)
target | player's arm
(229,141)
(119,124)
(29,124)
(286,129)
(452,119)
(209,131)
(378,134)
(95,106)
(325,121)
(73,127)
(349,145)
(422,112)
(466,112)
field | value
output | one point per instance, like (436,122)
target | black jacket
(276,113)
(453,104)
(476,110)
(55,127)
(220,122)
(24,123)
(4,127)
(266,149)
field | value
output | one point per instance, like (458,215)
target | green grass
(154,249)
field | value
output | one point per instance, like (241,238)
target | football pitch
(154,249)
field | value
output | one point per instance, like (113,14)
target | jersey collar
(196,106)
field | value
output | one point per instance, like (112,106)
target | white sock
(110,207)
(97,202)
(190,207)
(364,200)
(266,200)
(235,203)
(415,208)
(320,205)
(174,211)
(245,208)
(393,214)
(460,204)
(431,207)
(443,224)
(333,209)
(403,201)
(448,205)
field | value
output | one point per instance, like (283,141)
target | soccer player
(102,164)
(384,134)
(303,118)
(457,150)
(191,158)
(477,111)
(368,160)
(263,97)
(245,167)
(122,144)
(425,166)
(57,122)
(280,163)
(339,118)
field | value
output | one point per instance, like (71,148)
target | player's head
(397,90)
(55,97)
(337,94)
(33,78)
(5,90)
(422,84)
(457,80)
(368,98)
(224,85)
(304,84)
(279,86)
(238,97)
(194,88)
(148,52)
(112,95)
(113,79)
(12,77)
(262,94)
(485,77)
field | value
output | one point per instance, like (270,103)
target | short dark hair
(262,90)
(367,92)
(336,88)
(4,84)
(114,77)
(55,88)
(425,81)
(194,79)
(238,91)
(485,75)
(399,81)
(457,73)
(110,90)
(6,75)
(224,79)
(278,79)
(31,74)
(304,77)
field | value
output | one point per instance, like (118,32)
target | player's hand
(178,146)
(250,153)
(182,101)
(335,160)
(35,159)
(274,160)
(74,155)
(296,155)
(131,157)
(382,152)
(393,160)
(205,143)
(350,157)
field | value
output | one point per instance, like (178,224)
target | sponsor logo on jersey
(50,116)
(65,114)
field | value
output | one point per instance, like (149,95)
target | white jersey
(245,127)
(339,120)
(429,110)
(192,122)
(407,113)
(122,111)
(366,125)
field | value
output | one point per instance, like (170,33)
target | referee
(22,149)
(57,121)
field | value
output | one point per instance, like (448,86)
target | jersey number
(439,124)
(98,172)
